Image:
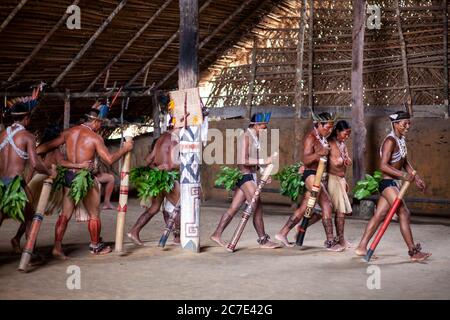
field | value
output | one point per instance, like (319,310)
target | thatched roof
(37,45)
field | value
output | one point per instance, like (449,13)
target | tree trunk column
(358,126)
(189,135)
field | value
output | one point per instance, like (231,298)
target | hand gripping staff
(387,220)
(250,208)
(311,200)
(36,224)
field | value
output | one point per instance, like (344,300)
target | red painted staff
(397,202)
(36,224)
(311,201)
(250,208)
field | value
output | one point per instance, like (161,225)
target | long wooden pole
(88,44)
(252,79)
(123,200)
(358,126)
(12,14)
(445,42)
(40,45)
(36,224)
(299,80)
(66,109)
(190,145)
(404,58)
(128,45)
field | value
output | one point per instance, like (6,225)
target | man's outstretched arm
(106,156)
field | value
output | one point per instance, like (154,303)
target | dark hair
(50,133)
(19,108)
(341,125)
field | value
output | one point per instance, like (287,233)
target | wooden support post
(404,58)
(311,56)
(12,14)
(144,83)
(358,126)
(445,15)
(251,84)
(299,80)
(189,135)
(67,109)
(156,121)
(89,43)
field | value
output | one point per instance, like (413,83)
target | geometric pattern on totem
(190,134)
(190,168)
(190,155)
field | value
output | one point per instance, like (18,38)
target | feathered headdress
(399,115)
(98,111)
(323,117)
(261,118)
(24,105)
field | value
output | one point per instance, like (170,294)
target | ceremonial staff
(36,224)
(123,199)
(250,207)
(311,201)
(397,202)
(169,227)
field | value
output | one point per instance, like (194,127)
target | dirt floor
(250,273)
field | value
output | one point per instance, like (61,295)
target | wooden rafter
(129,43)
(40,45)
(208,38)
(161,50)
(12,14)
(89,43)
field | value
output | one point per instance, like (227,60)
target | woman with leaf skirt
(17,151)
(337,186)
(245,182)
(159,180)
(83,143)
(395,166)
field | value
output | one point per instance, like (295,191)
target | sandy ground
(249,273)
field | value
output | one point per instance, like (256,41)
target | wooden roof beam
(12,14)
(89,43)
(40,45)
(160,51)
(128,45)
(208,38)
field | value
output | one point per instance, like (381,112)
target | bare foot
(108,206)
(336,248)
(360,251)
(135,239)
(219,241)
(16,245)
(59,254)
(176,240)
(270,245)
(345,244)
(420,256)
(284,240)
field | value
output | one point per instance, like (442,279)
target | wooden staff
(397,202)
(250,208)
(36,224)
(123,200)
(311,201)
(169,227)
